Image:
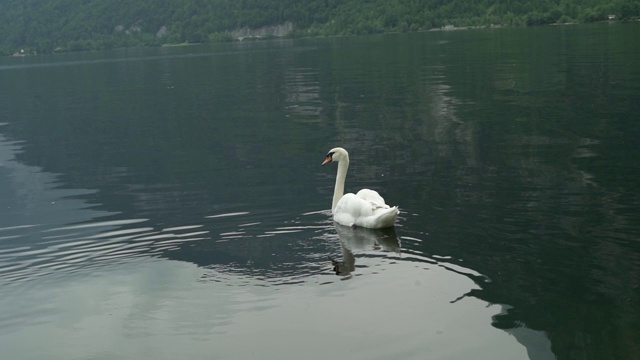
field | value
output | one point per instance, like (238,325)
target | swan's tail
(387,218)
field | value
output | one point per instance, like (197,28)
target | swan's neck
(338,191)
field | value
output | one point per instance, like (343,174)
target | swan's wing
(354,210)
(372,196)
(354,206)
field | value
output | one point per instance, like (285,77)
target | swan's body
(366,208)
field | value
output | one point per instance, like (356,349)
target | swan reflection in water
(360,239)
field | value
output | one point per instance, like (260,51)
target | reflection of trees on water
(302,95)
(537,195)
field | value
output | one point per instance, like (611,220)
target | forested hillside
(70,25)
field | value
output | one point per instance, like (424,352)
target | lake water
(170,204)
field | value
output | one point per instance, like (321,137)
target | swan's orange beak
(327,160)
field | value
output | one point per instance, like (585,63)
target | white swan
(366,208)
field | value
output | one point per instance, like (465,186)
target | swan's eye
(328,159)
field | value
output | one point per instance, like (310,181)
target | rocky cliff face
(267,31)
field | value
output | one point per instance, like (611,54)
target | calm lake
(169,203)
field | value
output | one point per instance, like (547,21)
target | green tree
(46,25)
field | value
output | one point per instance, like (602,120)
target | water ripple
(238,248)
(31,255)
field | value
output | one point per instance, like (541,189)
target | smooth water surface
(170,203)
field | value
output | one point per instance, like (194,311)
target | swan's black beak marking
(328,159)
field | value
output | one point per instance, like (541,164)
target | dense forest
(42,26)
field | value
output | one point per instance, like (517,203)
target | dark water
(170,203)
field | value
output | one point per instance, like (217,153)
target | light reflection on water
(231,244)
(114,286)
(129,298)
(107,284)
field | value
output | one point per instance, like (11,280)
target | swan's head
(336,154)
